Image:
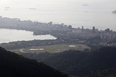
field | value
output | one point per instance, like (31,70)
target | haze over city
(87,13)
(58,38)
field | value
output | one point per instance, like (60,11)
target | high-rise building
(93,29)
(82,29)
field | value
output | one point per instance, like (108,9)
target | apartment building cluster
(104,37)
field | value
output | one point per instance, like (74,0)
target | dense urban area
(92,54)
(63,33)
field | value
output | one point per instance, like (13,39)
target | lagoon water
(10,35)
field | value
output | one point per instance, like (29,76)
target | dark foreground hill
(98,63)
(14,65)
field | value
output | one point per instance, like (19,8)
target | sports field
(52,48)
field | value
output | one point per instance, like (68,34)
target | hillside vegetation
(14,65)
(98,63)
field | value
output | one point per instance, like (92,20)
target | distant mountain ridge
(14,65)
(114,11)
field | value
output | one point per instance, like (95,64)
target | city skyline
(77,13)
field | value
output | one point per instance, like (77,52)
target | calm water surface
(10,35)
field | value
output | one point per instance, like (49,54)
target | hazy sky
(75,12)
(54,3)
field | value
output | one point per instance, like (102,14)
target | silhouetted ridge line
(14,65)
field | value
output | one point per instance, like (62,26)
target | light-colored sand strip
(21,50)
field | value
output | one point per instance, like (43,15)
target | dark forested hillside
(60,61)
(98,63)
(99,60)
(13,65)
